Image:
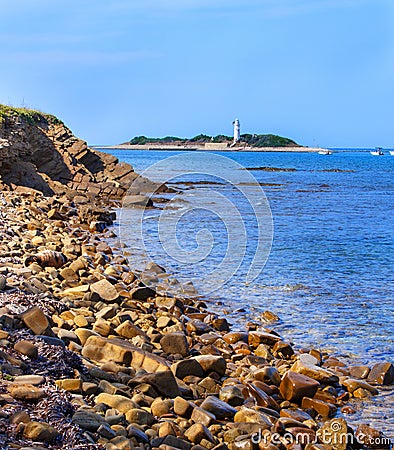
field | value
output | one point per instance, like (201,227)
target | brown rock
(382,373)
(163,382)
(315,372)
(352,385)
(211,363)
(26,348)
(186,367)
(322,408)
(102,349)
(40,431)
(128,330)
(197,432)
(36,320)
(159,407)
(295,386)
(250,415)
(182,407)
(105,290)
(359,371)
(175,343)
(232,395)
(139,416)
(70,384)
(256,338)
(88,420)
(26,392)
(334,433)
(119,402)
(220,409)
(371,438)
(201,416)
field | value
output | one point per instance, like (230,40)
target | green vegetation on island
(252,140)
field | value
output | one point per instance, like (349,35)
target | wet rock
(199,415)
(315,372)
(232,395)
(255,338)
(186,367)
(352,385)
(105,290)
(283,350)
(211,363)
(268,374)
(269,316)
(175,343)
(323,408)
(371,438)
(197,432)
(182,407)
(250,415)
(40,431)
(220,409)
(359,371)
(382,373)
(334,433)
(295,386)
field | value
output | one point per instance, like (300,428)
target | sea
(306,236)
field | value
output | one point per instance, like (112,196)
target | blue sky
(318,71)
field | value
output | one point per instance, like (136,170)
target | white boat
(392,152)
(325,152)
(377,152)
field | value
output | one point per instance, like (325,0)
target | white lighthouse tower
(237,130)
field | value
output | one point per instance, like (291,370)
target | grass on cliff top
(31,116)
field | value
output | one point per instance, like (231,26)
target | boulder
(294,386)
(382,373)
(105,290)
(102,350)
(175,343)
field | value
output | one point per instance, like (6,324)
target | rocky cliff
(37,151)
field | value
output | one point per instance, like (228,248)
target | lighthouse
(237,130)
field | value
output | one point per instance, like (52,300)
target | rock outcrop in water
(37,151)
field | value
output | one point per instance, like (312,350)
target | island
(220,142)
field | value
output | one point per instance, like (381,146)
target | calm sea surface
(330,272)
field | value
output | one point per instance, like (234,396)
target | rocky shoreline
(92,358)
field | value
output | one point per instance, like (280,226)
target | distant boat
(377,152)
(392,152)
(325,152)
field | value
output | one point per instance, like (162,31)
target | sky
(318,71)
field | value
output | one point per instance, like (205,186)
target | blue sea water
(329,274)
